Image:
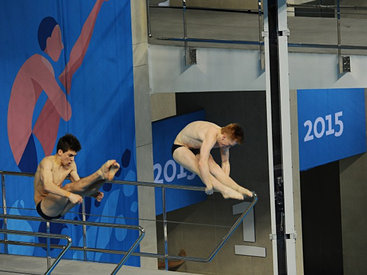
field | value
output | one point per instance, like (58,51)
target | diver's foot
(108,170)
(245,192)
(229,193)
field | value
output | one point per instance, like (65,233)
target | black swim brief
(194,150)
(43,215)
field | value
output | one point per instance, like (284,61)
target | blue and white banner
(166,170)
(67,67)
(331,125)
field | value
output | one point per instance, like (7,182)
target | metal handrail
(224,238)
(12,173)
(87,223)
(136,183)
(330,6)
(44,235)
(186,39)
(192,188)
(147,254)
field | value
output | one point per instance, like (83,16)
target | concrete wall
(238,70)
(353,192)
(143,132)
(321,215)
(163,105)
(296,183)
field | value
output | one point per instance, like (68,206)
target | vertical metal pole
(280,149)
(165,233)
(286,140)
(184,20)
(261,40)
(273,235)
(84,231)
(48,256)
(148,19)
(275,110)
(338,25)
(186,55)
(3,191)
(338,33)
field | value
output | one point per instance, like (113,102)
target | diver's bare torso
(194,133)
(59,174)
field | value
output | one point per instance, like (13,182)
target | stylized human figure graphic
(37,75)
(191,149)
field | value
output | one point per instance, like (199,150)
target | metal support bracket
(291,236)
(190,56)
(272,237)
(344,64)
(284,33)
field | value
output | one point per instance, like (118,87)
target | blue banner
(67,68)
(166,170)
(331,125)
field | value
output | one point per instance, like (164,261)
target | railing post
(184,21)
(149,27)
(261,39)
(48,252)
(165,231)
(3,191)
(132,248)
(186,54)
(84,231)
(343,61)
(44,235)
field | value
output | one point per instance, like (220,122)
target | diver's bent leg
(219,174)
(95,180)
(84,191)
(190,162)
(67,207)
(53,205)
(225,190)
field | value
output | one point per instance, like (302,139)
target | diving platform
(30,265)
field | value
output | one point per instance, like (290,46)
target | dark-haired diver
(54,200)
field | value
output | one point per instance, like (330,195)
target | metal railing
(44,235)
(338,11)
(167,257)
(185,37)
(99,224)
(164,256)
(83,223)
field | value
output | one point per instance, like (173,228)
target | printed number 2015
(163,172)
(321,126)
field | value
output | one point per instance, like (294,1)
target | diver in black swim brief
(43,215)
(54,200)
(204,136)
(194,150)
